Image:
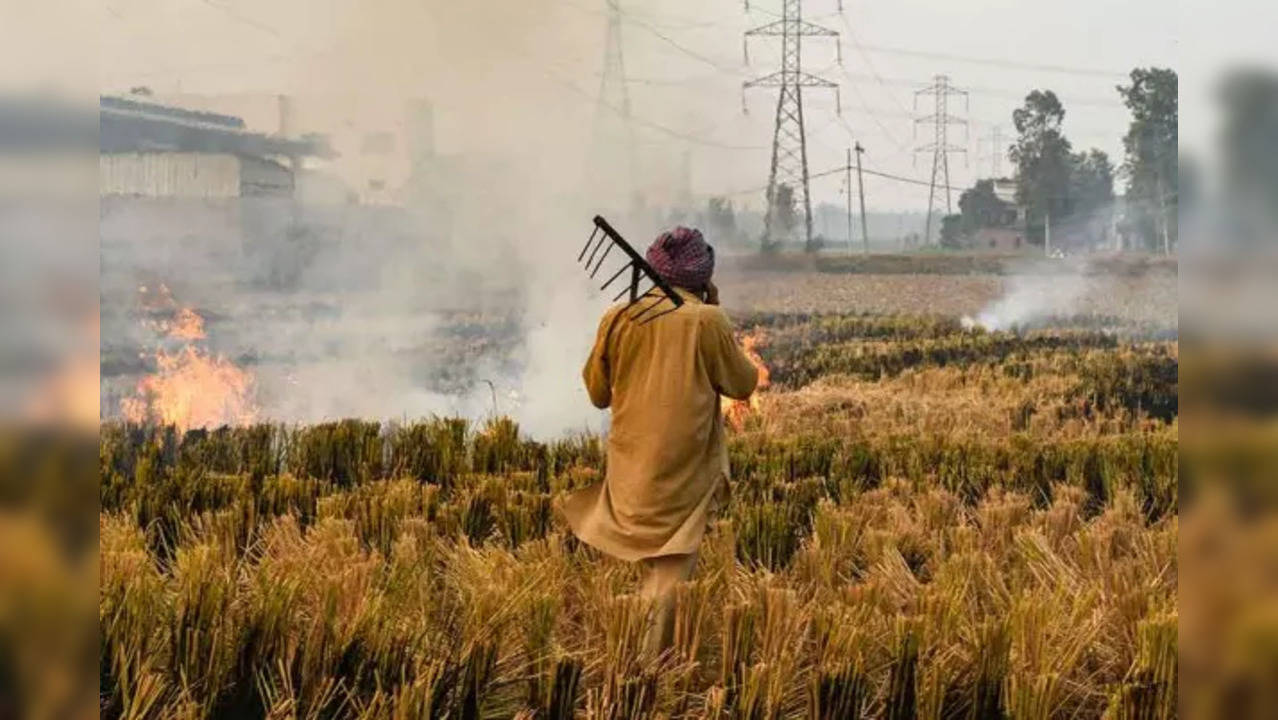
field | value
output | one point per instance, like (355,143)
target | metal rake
(605,238)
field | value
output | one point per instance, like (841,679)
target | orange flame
(188,325)
(191,387)
(736,411)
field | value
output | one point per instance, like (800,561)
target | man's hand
(712,294)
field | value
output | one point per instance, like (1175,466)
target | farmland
(927,520)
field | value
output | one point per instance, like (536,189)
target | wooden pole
(860,186)
(1047,233)
(847,168)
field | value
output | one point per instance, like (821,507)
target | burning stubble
(190,387)
(735,412)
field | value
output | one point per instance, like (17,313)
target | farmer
(667,469)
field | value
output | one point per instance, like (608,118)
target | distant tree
(980,208)
(1151,152)
(1091,182)
(1042,157)
(785,214)
(951,231)
(1090,196)
(721,220)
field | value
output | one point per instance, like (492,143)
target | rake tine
(601,259)
(589,240)
(635,317)
(621,294)
(613,279)
(603,239)
(640,295)
(670,309)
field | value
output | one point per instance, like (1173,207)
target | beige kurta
(667,461)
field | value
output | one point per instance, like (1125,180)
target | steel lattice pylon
(789,142)
(613,126)
(940,147)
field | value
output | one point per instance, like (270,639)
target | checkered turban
(682,257)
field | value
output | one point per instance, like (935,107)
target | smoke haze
(1033,294)
(346,309)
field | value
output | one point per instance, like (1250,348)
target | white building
(159,151)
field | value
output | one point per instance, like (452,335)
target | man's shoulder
(701,313)
(711,315)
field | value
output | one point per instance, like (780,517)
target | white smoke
(403,323)
(1034,293)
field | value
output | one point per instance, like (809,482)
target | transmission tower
(940,147)
(611,105)
(789,142)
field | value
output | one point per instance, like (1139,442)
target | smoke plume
(1034,293)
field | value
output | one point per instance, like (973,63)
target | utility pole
(847,183)
(614,100)
(940,120)
(789,142)
(860,186)
(1162,214)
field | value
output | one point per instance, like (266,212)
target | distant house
(1008,232)
(160,151)
(999,239)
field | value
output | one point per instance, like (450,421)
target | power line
(636,119)
(1063,69)
(1091,132)
(652,125)
(630,19)
(913,181)
(868,171)
(996,92)
(856,92)
(879,173)
(856,44)
(671,22)
(238,17)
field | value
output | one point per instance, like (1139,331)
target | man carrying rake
(667,469)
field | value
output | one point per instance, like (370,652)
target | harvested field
(1147,299)
(927,521)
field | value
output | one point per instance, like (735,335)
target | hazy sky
(520,77)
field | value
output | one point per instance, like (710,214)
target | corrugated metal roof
(134,126)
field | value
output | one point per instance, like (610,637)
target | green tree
(1091,183)
(951,231)
(785,215)
(1151,153)
(980,208)
(1042,158)
(721,218)
(1090,201)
